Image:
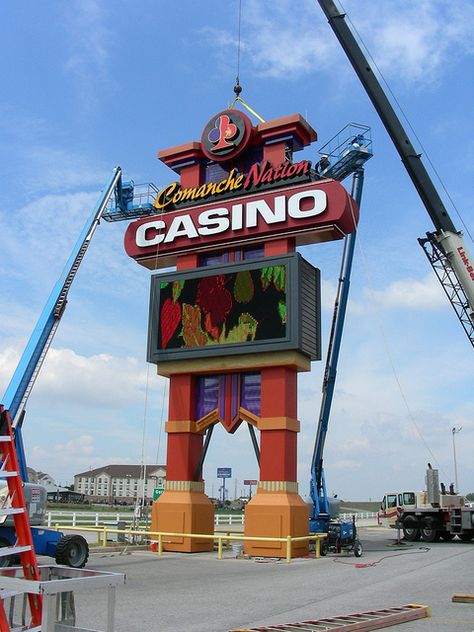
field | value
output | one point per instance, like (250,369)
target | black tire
(429,530)
(323,549)
(6,560)
(447,536)
(73,551)
(411,532)
(466,537)
(357,548)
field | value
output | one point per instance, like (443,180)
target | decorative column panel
(184,507)
(277,510)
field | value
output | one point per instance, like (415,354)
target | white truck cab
(391,504)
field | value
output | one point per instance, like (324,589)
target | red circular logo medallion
(226,135)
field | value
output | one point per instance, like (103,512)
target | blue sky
(88,85)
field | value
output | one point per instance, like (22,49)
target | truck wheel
(466,537)
(429,532)
(323,549)
(411,533)
(357,548)
(5,560)
(72,550)
(447,536)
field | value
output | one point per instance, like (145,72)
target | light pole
(455,431)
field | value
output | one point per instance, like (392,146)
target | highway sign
(157,492)
(248,481)
(224,472)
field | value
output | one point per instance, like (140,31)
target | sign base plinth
(276,511)
(185,510)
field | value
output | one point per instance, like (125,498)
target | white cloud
(71,457)
(415,41)
(419,40)
(35,162)
(101,380)
(411,294)
(95,409)
(347,465)
(55,169)
(276,40)
(89,44)
(355,444)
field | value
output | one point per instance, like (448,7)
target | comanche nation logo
(222,134)
(226,135)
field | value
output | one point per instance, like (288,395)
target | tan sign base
(276,514)
(184,511)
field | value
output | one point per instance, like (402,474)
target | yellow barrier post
(317,547)
(288,549)
(160,545)
(104,541)
(219,547)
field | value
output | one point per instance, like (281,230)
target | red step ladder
(14,505)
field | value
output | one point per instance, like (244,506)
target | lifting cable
(238,87)
(395,100)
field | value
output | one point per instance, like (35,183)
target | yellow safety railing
(158,536)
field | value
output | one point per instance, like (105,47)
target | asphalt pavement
(198,593)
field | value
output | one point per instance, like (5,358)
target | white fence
(75,518)
(359,515)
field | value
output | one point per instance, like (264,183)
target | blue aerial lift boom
(118,201)
(320,512)
(22,382)
(445,249)
(342,156)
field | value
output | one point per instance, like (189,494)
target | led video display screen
(243,307)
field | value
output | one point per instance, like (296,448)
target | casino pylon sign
(240,316)
(254,202)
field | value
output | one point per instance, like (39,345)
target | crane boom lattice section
(450,282)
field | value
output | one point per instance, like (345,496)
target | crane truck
(428,515)
(445,247)
(118,201)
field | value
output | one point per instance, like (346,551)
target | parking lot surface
(198,593)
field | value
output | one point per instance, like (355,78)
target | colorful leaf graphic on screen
(177,289)
(213,330)
(214,299)
(244,331)
(282,311)
(275,274)
(170,319)
(279,278)
(192,333)
(266,277)
(243,288)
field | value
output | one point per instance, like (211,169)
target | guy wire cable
(379,321)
